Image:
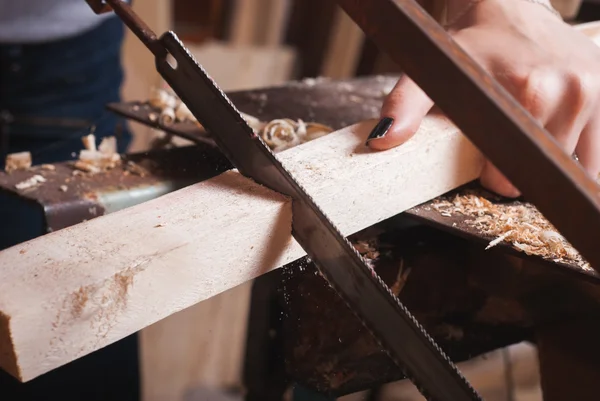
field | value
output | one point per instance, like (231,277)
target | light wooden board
(344,48)
(79,289)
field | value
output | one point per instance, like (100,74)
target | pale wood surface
(76,290)
(344,48)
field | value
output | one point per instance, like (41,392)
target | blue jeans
(54,93)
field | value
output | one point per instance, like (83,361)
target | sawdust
(369,249)
(136,169)
(78,301)
(279,134)
(519,224)
(94,160)
(123,281)
(31,182)
(401,278)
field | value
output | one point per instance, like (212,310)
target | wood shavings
(17,161)
(96,160)
(108,145)
(368,250)
(89,142)
(498,240)
(253,122)
(167,116)
(281,134)
(48,167)
(278,134)
(30,182)
(161,99)
(136,169)
(170,108)
(63,188)
(401,278)
(518,224)
(183,113)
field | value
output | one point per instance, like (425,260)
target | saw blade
(397,331)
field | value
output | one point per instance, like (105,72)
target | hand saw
(380,311)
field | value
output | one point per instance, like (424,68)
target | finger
(571,114)
(545,96)
(402,113)
(492,179)
(588,147)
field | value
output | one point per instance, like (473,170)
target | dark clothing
(56,92)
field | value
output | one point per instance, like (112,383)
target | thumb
(402,112)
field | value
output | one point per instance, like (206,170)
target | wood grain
(79,289)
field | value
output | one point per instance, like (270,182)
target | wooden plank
(244,22)
(346,41)
(79,289)
(273,15)
(309,23)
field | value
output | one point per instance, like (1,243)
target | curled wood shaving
(401,278)
(30,182)
(518,224)
(167,116)
(278,134)
(281,134)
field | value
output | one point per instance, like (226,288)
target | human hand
(552,69)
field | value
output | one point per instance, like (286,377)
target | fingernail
(381,128)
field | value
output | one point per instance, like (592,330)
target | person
(60,64)
(552,69)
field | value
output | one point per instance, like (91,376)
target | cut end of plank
(8,359)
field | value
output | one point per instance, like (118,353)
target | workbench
(470,299)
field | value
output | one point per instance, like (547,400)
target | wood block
(79,289)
